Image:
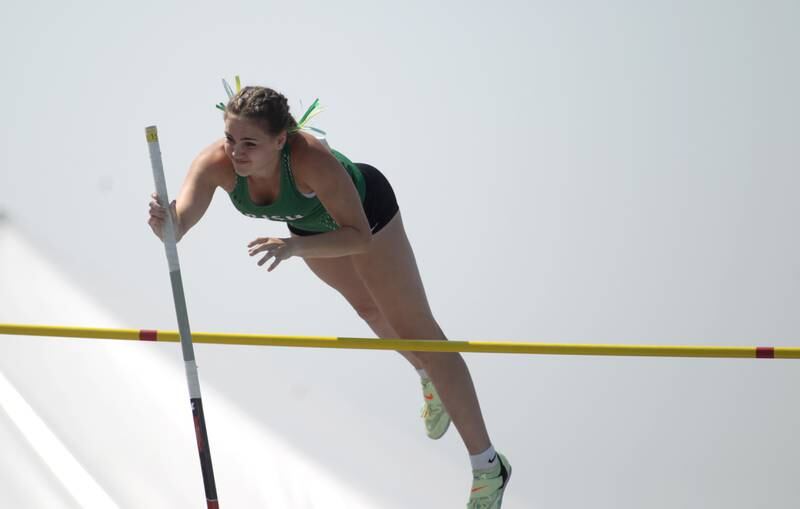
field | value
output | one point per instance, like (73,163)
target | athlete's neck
(268,172)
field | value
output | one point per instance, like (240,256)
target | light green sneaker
(437,420)
(488,486)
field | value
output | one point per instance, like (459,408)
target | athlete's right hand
(158,217)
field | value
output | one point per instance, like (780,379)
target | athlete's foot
(437,420)
(488,486)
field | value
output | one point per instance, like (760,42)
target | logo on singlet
(276,218)
(286,218)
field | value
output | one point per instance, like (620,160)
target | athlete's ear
(282,139)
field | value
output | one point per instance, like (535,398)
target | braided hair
(266,107)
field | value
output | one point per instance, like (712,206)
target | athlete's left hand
(280,249)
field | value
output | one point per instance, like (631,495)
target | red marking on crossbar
(765,352)
(213,504)
(148,335)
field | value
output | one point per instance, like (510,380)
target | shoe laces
(479,503)
(482,500)
(431,407)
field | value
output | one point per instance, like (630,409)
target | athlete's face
(252,151)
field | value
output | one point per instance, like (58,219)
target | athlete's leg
(340,274)
(390,272)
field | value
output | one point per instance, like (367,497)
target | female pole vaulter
(346,226)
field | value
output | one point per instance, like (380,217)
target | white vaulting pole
(183,321)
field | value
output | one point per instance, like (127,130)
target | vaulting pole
(183,321)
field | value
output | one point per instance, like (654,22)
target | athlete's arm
(317,168)
(204,176)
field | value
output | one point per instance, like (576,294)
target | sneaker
(437,420)
(488,486)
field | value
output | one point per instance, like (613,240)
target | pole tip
(151,132)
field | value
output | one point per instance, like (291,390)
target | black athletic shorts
(380,204)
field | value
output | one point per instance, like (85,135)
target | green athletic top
(292,206)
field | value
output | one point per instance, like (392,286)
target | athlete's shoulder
(309,155)
(307,150)
(213,166)
(304,144)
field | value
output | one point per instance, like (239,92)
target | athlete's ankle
(485,460)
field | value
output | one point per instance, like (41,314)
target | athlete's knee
(437,360)
(421,326)
(368,312)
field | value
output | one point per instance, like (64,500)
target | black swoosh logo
(504,475)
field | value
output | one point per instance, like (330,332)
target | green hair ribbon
(312,111)
(228,91)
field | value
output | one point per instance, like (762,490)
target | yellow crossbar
(763,352)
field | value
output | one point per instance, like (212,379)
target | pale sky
(596,172)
